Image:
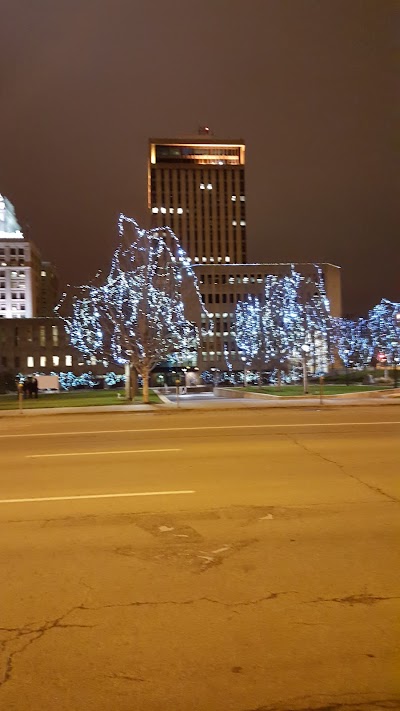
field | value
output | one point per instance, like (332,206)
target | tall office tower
(19,267)
(196,186)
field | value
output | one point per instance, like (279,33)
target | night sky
(309,84)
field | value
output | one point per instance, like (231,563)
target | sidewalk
(188,403)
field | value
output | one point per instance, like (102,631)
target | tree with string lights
(291,322)
(282,320)
(248,332)
(353,342)
(138,315)
(384,326)
(317,321)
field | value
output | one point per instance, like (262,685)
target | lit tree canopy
(293,312)
(384,325)
(248,330)
(282,318)
(138,315)
(353,341)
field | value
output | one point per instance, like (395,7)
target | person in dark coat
(34,387)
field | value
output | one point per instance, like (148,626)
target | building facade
(37,345)
(197,187)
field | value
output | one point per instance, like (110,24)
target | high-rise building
(197,187)
(28,286)
(19,267)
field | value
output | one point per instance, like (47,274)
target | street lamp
(244,371)
(305,350)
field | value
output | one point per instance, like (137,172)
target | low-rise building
(32,345)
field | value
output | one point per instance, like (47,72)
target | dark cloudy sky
(309,84)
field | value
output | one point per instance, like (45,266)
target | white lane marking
(201,428)
(96,496)
(89,454)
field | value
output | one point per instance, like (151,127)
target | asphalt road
(226,561)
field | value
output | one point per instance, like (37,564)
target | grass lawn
(291,390)
(78,398)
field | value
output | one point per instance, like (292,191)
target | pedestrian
(35,387)
(29,387)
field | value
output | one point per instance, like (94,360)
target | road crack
(341,467)
(383,704)
(35,633)
(192,601)
(354,600)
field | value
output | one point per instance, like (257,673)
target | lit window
(171,209)
(179,210)
(204,259)
(211,259)
(220,259)
(242,198)
(154,209)
(196,259)
(242,223)
(56,360)
(163,210)
(202,186)
(227,259)
(42,361)
(68,360)
(54,331)
(233,198)
(30,362)
(209,186)
(234,223)
(43,273)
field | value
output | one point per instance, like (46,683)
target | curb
(223,405)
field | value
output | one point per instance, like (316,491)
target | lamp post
(244,372)
(396,346)
(305,350)
(346,365)
(242,355)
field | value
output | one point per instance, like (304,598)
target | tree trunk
(128,395)
(279,378)
(134,382)
(145,376)
(131,381)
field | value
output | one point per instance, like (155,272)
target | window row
(40,362)
(30,361)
